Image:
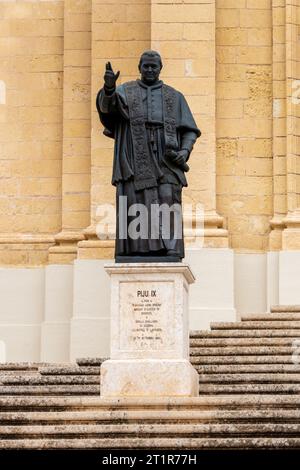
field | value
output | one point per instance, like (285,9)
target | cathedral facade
(238,64)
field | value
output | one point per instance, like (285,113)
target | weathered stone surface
(50,390)
(252,359)
(289,316)
(48,380)
(171,430)
(249,392)
(143,403)
(249,388)
(20,365)
(245,341)
(76,370)
(240,350)
(149,331)
(157,443)
(90,361)
(149,378)
(285,308)
(256,325)
(163,414)
(249,378)
(246,333)
(270,369)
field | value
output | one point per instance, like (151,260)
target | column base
(149,377)
(65,250)
(291,235)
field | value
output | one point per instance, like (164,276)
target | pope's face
(150,70)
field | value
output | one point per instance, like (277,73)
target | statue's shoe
(172,253)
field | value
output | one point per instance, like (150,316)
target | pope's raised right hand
(110,77)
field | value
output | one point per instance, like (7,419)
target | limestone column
(289,257)
(31,56)
(120,33)
(76,130)
(184,34)
(244,121)
(58,305)
(279,125)
(291,236)
(76,168)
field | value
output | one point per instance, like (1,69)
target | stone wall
(237,62)
(244,121)
(32,58)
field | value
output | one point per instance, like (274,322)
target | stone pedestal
(149,331)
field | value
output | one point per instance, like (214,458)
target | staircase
(38,379)
(249,385)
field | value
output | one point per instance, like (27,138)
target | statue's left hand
(181,157)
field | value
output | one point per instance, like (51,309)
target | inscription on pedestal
(146,316)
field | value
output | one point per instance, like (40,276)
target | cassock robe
(114,115)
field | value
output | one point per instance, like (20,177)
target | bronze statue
(154,133)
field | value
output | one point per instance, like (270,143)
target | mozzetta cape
(128,113)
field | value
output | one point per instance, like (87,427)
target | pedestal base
(149,377)
(149,332)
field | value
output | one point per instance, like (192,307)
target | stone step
(285,308)
(274,378)
(244,333)
(240,350)
(49,380)
(90,361)
(249,388)
(221,342)
(267,359)
(289,372)
(255,325)
(50,389)
(75,370)
(249,368)
(152,416)
(196,360)
(155,443)
(284,317)
(71,403)
(88,431)
(12,373)
(5,366)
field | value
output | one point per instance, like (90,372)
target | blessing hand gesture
(110,77)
